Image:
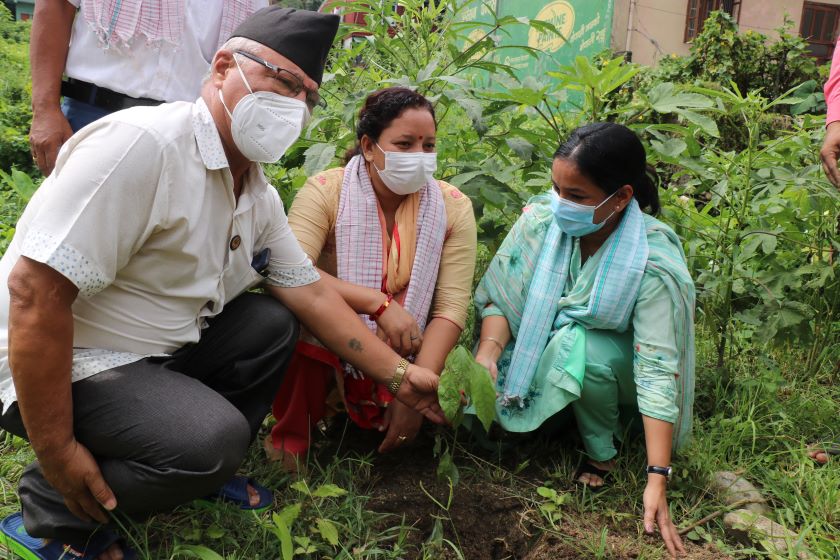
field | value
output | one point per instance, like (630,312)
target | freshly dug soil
(485,519)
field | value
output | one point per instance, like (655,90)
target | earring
(617,207)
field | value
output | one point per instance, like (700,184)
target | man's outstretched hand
(419,391)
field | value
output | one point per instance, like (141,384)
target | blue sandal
(235,491)
(20,543)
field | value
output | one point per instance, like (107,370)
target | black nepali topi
(302,36)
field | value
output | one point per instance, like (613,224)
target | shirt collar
(213,155)
(207,137)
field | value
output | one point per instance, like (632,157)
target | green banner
(585,26)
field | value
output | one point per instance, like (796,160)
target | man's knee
(219,447)
(269,321)
(275,318)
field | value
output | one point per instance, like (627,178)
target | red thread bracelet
(378,313)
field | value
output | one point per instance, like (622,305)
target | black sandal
(586,467)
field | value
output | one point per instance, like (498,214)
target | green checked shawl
(607,306)
(526,286)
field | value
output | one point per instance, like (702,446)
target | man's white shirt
(140,215)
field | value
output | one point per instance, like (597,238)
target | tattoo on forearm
(354,344)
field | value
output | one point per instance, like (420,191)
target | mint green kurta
(660,362)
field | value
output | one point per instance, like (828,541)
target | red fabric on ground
(301,401)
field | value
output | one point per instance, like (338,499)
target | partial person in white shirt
(116,55)
(132,355)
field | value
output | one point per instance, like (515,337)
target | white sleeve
(289,267)
(96,209)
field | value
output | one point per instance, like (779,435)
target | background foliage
(733,131)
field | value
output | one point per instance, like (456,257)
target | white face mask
(406,172)
(264,124)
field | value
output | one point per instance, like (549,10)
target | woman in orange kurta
(400,247)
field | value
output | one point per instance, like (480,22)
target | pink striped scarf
(119,22)
(358,240)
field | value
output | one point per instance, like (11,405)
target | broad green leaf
(482,394)
(664,98)
(427,72)
(300,486)
(706,123)
(671,148)
(328,530)
(768,244)
(329,491)
(20,182)
(318,158)
(196,551)
(215,532)
(462,375)
(549,493)
(520,146)
(452,382)
(284,535)
(448,469)
(288,514)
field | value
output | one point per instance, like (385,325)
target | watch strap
(664,471)
(399,373)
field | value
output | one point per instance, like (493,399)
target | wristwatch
(664,471)
(399,373)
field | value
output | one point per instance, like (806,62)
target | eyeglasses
(290,84)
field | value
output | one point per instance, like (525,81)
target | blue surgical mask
(576,219)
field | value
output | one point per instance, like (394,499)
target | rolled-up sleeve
(655,357)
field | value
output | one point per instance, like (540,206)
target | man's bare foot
(822,453)
(253,496)
(593,480)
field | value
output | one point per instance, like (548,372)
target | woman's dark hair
(381,108)
(611,156)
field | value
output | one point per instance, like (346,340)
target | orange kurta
(312,217)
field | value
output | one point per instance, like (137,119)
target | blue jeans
(80,114)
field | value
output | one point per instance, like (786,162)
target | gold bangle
(399,373)
(494,341)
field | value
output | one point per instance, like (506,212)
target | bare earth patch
(488,520)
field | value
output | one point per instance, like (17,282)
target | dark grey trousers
(166,431)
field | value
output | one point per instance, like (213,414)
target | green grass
(393,506)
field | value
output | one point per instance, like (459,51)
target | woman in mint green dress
(589,304)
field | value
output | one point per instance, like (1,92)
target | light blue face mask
(576,219)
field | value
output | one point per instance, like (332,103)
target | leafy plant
(552,504)
(321,534)
(466,382)
(721,54)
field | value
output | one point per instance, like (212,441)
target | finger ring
(402,438)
